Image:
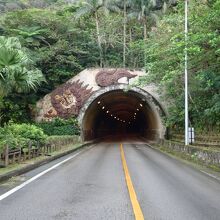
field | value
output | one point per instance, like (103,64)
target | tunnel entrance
(116,112)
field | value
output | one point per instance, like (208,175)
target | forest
(45,43)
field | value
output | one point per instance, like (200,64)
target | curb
(28,168)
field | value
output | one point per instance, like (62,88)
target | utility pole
(186,76)
(124,33)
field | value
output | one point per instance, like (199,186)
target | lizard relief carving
(110,77)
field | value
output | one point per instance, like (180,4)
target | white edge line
(211,175)
(5,195)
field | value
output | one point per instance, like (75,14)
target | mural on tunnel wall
(67,100)
(111,77)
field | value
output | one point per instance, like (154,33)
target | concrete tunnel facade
(106,104)
(115,110)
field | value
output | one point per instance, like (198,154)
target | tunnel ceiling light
(107,111)
(99,102)
(114,117)
(141,105)
(103,107)
(111,115)
(135,113)
(138,109)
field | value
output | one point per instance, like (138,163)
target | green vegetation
(18,75)
(16,71)
(18,135)
(165,63)
(60,127)
(43,43)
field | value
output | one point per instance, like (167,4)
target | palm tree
(92,7)
(124,31)
(146,10)
(16,70)
(143,11)
(32,35)
(124,5)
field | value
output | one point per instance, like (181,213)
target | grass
(25,163)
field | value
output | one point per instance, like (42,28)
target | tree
(124,5)
(165,64)
(92,7)
(148,12)
(16,71)
(141,9)
(32,35)
(143,12)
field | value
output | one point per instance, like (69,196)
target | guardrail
(200,139)
(35,149)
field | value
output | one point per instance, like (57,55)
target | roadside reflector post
(191,135)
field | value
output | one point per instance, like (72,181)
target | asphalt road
(92,186)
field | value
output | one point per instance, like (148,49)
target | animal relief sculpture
(110,77)
(67,99)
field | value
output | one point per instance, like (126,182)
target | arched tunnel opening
(120,114)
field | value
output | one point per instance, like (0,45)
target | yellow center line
(133,197)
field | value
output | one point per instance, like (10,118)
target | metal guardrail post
(29,150)
(6,155)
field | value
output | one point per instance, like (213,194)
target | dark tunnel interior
(119,113)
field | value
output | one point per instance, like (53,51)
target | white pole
(186,76)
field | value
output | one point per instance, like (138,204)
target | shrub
(60,127)
(6,137)
(18,135)
(63,140)
(28,132)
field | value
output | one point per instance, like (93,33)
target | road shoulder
(20,169)
(181,157)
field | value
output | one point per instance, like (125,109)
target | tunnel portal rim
(149,98)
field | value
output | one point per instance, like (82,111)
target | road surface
(92,185)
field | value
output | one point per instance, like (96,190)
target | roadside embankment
(61,147)
(208,156)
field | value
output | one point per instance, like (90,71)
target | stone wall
(207,156)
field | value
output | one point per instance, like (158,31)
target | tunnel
(117,112)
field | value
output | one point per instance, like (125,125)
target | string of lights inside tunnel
(116,117)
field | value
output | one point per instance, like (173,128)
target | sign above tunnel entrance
(67,100)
